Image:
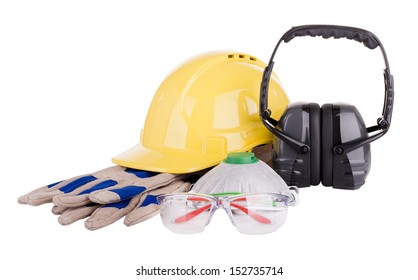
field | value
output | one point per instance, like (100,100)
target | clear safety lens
(251,214)
(258,214)
(185,213)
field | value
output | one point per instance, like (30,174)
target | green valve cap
(241,158)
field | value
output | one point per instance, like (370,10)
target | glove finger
(74,214)
(115,195)
(58,210)
(110,213)
(24,198)
(45,194)
(148,206)
(80,196)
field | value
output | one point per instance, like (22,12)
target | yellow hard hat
(205,109)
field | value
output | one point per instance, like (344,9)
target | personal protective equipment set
(193,155)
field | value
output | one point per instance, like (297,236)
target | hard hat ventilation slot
(242,56)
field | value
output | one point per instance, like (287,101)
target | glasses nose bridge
(221,203)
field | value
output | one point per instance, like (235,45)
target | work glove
(76,191)
(107,195)
(136,206)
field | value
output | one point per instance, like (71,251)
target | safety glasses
(249,213)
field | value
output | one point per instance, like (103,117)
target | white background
(76,80)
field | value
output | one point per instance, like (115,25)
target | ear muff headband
(327,31)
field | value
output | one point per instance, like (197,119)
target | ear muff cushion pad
(327,144)
(315,142)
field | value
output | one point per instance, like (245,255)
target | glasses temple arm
(192,214)
(255,216)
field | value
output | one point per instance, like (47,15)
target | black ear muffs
(330,144)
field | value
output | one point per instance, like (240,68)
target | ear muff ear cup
(327,144)
(301,122)
(348,171)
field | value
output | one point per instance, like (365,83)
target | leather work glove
(107,195)
(137,207)
(76,191)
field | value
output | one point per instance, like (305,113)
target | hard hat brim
(167,161)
